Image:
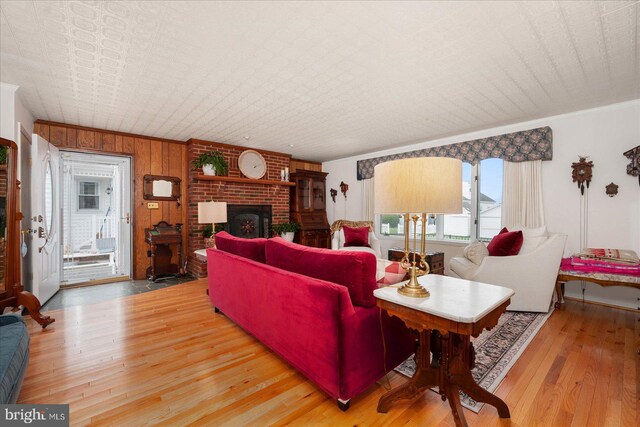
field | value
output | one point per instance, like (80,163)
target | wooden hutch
(309,208)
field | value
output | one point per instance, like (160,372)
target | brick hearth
(232,193)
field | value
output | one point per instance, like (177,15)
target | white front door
(45,211)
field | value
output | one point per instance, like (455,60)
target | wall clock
(252,164)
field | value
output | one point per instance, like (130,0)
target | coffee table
(456,310)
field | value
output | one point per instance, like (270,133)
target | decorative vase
(210,242)
(209,170)
(288,236)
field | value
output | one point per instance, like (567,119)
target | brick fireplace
(234,193)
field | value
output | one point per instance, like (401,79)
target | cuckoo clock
(633,168)
(582,172)
(344,188)
(333,193)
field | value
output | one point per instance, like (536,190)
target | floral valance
(526,145)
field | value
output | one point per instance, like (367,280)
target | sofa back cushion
(506,243)
(354,270)
(247,248)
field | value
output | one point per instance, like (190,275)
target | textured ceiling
(330,78)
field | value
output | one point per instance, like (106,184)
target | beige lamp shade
(422,184)
(212,212)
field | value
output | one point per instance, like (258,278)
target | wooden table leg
(28,300)
(559,293)
(423,378)
(459,377)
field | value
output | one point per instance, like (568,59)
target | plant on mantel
(213,158)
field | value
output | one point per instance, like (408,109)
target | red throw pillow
(506,243)
(358,236)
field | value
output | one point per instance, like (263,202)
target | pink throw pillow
(393,273)
(356,236)
(506,243)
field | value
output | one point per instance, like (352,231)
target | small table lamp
(212,213)
(422,185)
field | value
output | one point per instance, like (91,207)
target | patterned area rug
(497,351)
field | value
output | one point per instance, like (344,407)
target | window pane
(458,226)
(88,202)
(89,188)
(391,225)
(490,203)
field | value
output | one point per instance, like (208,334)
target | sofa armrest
(8,319)
(335,241)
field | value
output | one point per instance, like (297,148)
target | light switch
(153,205)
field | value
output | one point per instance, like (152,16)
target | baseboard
(604,304)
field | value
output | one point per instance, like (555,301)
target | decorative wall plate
(252,164)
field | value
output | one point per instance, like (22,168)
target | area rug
(497,351)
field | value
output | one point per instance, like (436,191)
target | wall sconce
(633,168)
(611,189)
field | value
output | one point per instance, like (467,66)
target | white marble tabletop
(451,298)
(201,254)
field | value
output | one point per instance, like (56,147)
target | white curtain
(368,213)
(522,194)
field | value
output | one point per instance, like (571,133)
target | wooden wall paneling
(174,212)
(72,138)
(86,139)
(184,205)
(108,142)
(42,130)
(155,168)
(58,136)
(142,217)
(166,160)
(128,145)
(117,146)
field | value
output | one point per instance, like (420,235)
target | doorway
(96,224)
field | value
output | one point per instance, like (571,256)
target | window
(88,197)
(481,208)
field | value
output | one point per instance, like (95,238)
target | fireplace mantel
(244,180)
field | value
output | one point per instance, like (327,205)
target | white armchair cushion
(338,243)
(532,238)
(475,252)
(462,267)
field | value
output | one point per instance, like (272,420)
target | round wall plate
(252,164)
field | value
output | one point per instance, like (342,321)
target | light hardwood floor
(166,357)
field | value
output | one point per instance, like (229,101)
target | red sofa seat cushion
(354,270)
(506,243)
(253,249)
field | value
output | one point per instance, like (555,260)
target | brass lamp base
(413,288)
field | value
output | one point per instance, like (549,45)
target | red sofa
(313,307)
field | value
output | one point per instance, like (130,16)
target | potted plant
(212,163)
(286,230)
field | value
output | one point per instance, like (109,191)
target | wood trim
(236,147)
(602,304)
(107,131)
(244,180)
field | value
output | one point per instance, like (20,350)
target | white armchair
(531,275)
(337,238)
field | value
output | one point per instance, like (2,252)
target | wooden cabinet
(434,259)
(308,208)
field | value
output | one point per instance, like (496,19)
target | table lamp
(212,213)
(414,188)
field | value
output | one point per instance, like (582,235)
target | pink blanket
(599,266)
